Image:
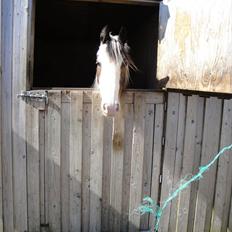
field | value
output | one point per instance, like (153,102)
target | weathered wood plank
(65,161)
(137,162)
(46,168)
(147,164)
(169,155)
(1,184)
(19,83)
(188,31)
(6,132)
(33,168)
(96,164)
(197,158)
(86,166)
(224,174)
(30,8)
(188,161)
(75,160)
(42,165)
(107,153)
(229,229)
(52,161)
(157,155)
(153,97)
(210,147)
(129,122)
(174,205)
(128,96)
(117,172)
(149,97)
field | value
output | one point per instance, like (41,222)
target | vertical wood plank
(53,161)
(147,164)
(157,155)
(75,160)
(6,92)
(209,149)
(1,184)
(96,164)
(33,169)
(19,83)
(42,165)
(107,153)
(117,172)
(1,87)
(188,161)
(65,160)
(137,161)
(229,229)
(169,155)
(224,174)
(178,160)
(86,166)
(46,167)
(197,157)
(129,122)
(19,164)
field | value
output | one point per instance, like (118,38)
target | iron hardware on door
(36,95)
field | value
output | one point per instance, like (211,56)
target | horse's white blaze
(109,79)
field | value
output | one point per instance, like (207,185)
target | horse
(112,72)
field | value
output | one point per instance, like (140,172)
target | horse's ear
(123,35)
(104,36)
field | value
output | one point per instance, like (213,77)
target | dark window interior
(67,39)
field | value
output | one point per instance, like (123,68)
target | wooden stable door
(77,178)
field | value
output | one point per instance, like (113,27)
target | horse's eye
(98,63)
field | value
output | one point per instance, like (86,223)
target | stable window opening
(67,39)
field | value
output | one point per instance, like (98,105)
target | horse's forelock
(119,54)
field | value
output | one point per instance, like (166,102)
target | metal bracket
(36,95)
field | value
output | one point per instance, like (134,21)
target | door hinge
(35,95)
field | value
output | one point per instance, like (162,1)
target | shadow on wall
(164,17)
(56,185)
(163,21)
(54,200)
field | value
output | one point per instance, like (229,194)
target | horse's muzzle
(110,110)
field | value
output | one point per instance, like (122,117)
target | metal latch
(36,95)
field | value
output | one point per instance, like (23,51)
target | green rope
(150,206)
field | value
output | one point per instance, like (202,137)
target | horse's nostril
(117,107)
(110,109)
